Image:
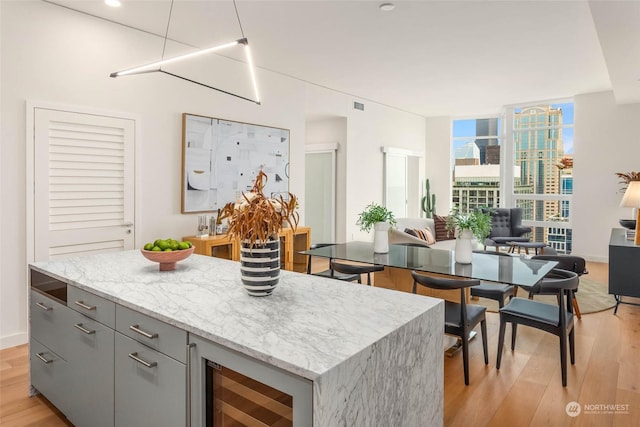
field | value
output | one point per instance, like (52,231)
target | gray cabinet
(90,371)
(97,376)
(49,374)
(624,267)
(150,387)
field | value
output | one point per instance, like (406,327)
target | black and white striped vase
(260,267)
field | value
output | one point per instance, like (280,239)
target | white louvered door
(83,183)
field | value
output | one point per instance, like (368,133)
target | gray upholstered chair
(506,226)
(555,319)
(459,318)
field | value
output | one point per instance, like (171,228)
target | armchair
(506,226)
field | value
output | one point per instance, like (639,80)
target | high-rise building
(538,149)
(486,128)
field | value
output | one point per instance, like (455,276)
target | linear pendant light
(155,67)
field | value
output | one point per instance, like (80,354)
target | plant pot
(381,237)
(260,267)
(464,247)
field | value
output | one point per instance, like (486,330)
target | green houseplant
(380,218)
(372,214)
(478,221)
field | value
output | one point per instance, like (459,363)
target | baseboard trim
(9,341)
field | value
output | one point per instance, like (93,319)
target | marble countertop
(307,326)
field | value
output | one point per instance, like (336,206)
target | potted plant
(256,220)
(474,224)
(381,219)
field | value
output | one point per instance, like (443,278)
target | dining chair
(570,263)
(356,270)
(459,318)
(495,291)
(330,272)
(555,319)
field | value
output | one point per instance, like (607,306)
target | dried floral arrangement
(257,218)
(626,178)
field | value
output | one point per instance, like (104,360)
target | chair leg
(503,325)
(465,358)
(572,347)
(576,308)
(483,326)
(563,357)
(514,330)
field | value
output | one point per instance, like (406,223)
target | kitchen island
(347,354)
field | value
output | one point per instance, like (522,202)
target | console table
(624,267)
(291,242)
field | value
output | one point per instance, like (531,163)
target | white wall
(367,132)
(606,141)
(333,130)
(59,56)
(438,166)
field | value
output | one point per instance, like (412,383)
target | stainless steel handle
(41,357)
(136,329)
(85,306)
(127,224)
(44,307)
(83,329)
(135,357)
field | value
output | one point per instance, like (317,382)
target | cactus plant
(428,203)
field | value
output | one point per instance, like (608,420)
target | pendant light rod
(154,65)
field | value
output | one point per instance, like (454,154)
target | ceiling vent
(358,106)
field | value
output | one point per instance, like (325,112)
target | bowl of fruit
(167,252)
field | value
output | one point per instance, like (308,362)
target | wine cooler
(235,400)
(230,389)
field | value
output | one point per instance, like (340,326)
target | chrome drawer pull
(44,307)
(135,357)
(85,306)
(85,330)
(136,329)
(41,357)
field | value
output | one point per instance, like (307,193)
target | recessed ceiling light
(112,3)
(386,7)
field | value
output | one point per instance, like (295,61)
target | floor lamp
(631,199)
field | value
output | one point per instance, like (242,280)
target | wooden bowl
(167,260)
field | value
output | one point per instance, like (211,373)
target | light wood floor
(526,391)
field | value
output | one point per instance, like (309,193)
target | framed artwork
(221,158)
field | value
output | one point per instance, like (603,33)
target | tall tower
(538,149)
(485,128)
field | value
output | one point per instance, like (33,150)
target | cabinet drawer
(49,374)
(91,305)
(48,320)
(150,391)
(90,357)
(156,334)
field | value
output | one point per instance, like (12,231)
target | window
(476,158)
(539,143)
(543,153)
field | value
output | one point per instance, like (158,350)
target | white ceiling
(433,58)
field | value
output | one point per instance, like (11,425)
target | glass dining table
(401,259)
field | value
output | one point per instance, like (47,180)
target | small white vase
(464,247)
(381,237)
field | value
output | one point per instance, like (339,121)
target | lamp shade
(631,197)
